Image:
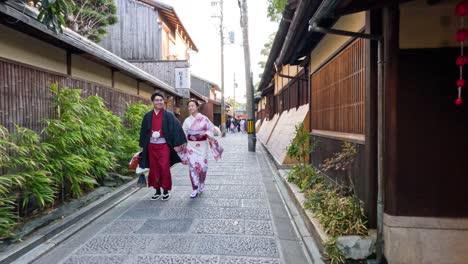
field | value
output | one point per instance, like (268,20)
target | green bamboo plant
(70,135)
(79,148)
(28,163)
(128,144)
(7,182)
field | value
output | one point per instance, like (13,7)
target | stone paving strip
(231,222)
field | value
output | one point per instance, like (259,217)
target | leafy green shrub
(341,161)
(333,254)
(301,146)
(304,176)
(83,135)
(80,146)
(7,183)
(128,144)
(28,162)
(340,213)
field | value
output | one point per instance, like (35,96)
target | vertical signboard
(182,81)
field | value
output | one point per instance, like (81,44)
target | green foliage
(83,135)
(91,18)
(131,134)
(80,147)
(300,146)
(275,9)
(304,176)
(53,13)
(28,164)
(265,52)
(341,160)
(333,253)
(7,183)
(340,215)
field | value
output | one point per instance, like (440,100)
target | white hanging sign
(182,78)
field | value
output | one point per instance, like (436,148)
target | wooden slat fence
(338,92)
(25,98)
(293,95)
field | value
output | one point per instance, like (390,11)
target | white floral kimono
(199,132)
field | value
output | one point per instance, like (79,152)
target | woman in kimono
(199,131)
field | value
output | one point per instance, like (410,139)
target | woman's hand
(179,148)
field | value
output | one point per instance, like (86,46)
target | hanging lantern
(462,60)
(462,34)
(462,9)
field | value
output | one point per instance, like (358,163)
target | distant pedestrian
(199,130)
(161,136)
(232,125)
(242,126)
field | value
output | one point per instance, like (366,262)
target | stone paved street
(239,219)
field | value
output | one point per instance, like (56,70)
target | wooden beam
(138,87)
(391,25)
(361,5)
(69,63)
(113,77)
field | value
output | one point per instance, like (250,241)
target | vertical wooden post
(138,87)
(373,26)
(388,124)
(69,63)
(391,23)
(113,77)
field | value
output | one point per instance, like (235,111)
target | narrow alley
(240,218)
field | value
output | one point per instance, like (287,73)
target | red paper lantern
(461,35)
(462,8)
(462,60)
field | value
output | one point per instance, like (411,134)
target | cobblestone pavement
(240,218)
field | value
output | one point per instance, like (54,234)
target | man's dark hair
(156,94)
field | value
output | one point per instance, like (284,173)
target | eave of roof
(72,40)
(198,95)
(171,16)
(202,79)
(280,36)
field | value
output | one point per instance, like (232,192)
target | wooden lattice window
(338,92)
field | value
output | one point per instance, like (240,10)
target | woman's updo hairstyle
(194,101)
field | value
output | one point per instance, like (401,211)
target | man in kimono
(161,137)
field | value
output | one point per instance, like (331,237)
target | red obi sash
(197,137)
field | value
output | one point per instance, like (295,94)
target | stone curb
(312,246)
(36,245)
(345,243)
(298,199)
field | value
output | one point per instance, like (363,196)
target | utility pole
(248,76)
(223,105)
(234,106)
(221,33)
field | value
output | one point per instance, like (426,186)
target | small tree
(342,161)
(275,9)
(52,12)
(300,146)
(90,18)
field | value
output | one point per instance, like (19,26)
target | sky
(196,16)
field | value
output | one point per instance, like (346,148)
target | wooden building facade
(32,57)
(423,132)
